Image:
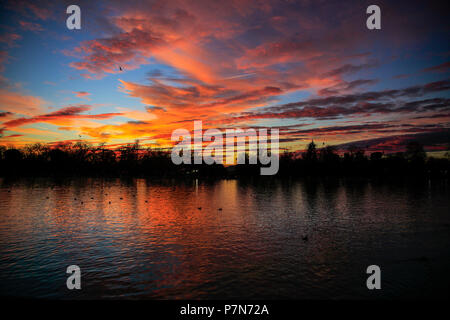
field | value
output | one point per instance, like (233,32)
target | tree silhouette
(134,160)
(311,152)
(415,152)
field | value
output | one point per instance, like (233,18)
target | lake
(168,239)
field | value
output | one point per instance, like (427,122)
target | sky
(138,70)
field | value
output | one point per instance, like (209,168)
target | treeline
(133,160)
(413,162)
(84,159)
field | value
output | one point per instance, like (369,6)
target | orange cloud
(60,116)
(82,94)
(19,103)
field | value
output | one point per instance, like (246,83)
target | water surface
(139,238)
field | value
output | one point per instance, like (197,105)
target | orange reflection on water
(195,239)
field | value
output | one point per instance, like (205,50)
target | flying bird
(120,68)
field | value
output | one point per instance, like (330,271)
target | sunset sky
(310,68)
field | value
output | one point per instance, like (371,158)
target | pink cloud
(82,94)
(31,26)
(10,38)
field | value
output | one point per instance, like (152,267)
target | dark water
(155,242)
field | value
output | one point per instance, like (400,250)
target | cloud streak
(62,115)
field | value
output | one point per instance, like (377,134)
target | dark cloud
(361,128)
(152,108)
(432,141)
(386,101)
(4,114)
(443,67)
(348,69)
(344,87)
(137,122)
(413,91)
(72,112)
(14,136)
